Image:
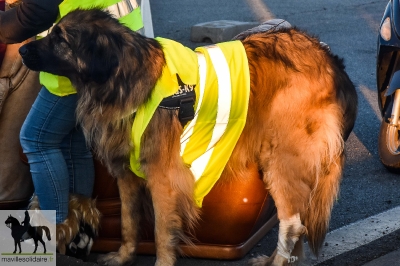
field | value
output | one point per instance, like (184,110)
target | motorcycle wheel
(390,159)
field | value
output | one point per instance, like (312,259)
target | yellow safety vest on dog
(222,85)
(124,10)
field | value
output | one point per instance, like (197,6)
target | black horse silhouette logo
(23,231)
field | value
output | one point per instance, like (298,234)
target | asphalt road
(350,28)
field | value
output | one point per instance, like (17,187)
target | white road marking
(356,234)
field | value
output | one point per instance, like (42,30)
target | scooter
(388,86)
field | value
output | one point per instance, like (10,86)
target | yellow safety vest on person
(128,13)
(221,80)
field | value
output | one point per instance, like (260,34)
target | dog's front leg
(130,191)
(170,182)
(168,223)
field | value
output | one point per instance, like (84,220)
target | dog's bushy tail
(339,120)
(326,187)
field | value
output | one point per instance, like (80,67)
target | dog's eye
(56,30)
(61,38)
(59,35)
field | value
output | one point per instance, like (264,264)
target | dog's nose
(23,50)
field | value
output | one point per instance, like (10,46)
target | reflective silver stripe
(118,10)
(202,84)
(222,71)
(122,8)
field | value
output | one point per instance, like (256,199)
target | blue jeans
(60,161)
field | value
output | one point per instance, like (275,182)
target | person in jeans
(60,161)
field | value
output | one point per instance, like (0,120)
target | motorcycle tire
(389,160)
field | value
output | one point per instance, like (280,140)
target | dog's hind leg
(297,256)
(130,192)
(298,250)
(290,191)
(291,231)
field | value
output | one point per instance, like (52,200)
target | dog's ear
(103,63)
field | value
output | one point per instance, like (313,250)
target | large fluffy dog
(302,107)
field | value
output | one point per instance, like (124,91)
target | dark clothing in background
(2,45)
(27,19)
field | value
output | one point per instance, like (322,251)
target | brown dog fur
(302,108)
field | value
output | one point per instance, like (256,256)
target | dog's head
(82,47)
(105,60)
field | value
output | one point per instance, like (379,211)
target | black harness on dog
(183,100)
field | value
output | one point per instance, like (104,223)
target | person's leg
(49,121)
(80,163)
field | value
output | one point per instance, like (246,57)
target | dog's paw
(114,259)
(274,260)
(260,261)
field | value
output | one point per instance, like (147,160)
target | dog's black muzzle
(23,51)
(29,56)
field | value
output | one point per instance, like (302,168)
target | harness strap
(183,100)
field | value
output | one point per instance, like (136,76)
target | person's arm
(27,19)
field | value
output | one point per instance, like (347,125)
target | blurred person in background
(61,163)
